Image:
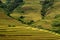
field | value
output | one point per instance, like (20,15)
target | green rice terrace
(29,20)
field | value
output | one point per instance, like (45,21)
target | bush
(13,25)
(57,16)
(57,30)
(9,25)
(31,22)
(21,17)
(22,11)
(56,24)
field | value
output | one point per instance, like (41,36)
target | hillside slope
(40,29)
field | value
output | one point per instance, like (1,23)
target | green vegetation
(57,16)
(28,22)
(11,25)
(29,12)
(45,7)
(56,23)
(10,6)
(56,26)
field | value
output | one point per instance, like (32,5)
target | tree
(46,4)
(10,5)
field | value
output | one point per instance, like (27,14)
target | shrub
(21,17)
(57,16)
(31,22)
(56,24)
(9,25)
(13,25)
(22,11)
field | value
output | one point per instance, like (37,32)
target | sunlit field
(26,22)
